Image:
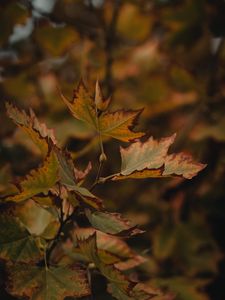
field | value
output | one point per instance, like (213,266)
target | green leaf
(39,180)
(53,283)
(112,223)
(151,159)
(16,243)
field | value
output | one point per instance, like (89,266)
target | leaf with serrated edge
(40,180)
(111,249)
(82,106)
(52,283)
(80,175)
(181,164)
(101,103)
(112,223)
(123,285)
(16,243)
(38,132)
(150,159)
(119,125)
(67,174)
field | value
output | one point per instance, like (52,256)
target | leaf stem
(57,237)
(45,259)
(102,180)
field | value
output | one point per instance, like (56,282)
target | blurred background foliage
(167,56)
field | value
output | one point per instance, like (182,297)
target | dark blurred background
(165,55)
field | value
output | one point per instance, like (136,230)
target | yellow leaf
(119,125)
(82,105)
(101,103)
(40,180)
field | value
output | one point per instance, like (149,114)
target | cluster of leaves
(167,56)
(53,262)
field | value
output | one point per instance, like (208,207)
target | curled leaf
(38,132)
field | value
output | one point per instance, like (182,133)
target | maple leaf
(16,243)
(67,174)
(125,288)
(80,175)
(151,159)
(41,283)
(38,132)
(39,180)
(101,103)
(112,223)
(82,105)
(111,249)
(118,124)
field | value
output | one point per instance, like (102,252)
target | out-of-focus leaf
(112,223)
(11,15)
(6,188)
(56,40)
(183,288)
(45,225)
(74,128)
(38,132)
(55,283)
(189,245)
(40,180)
(16,243)
(204,131)
(150,159)
(132,24)
(164,242)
